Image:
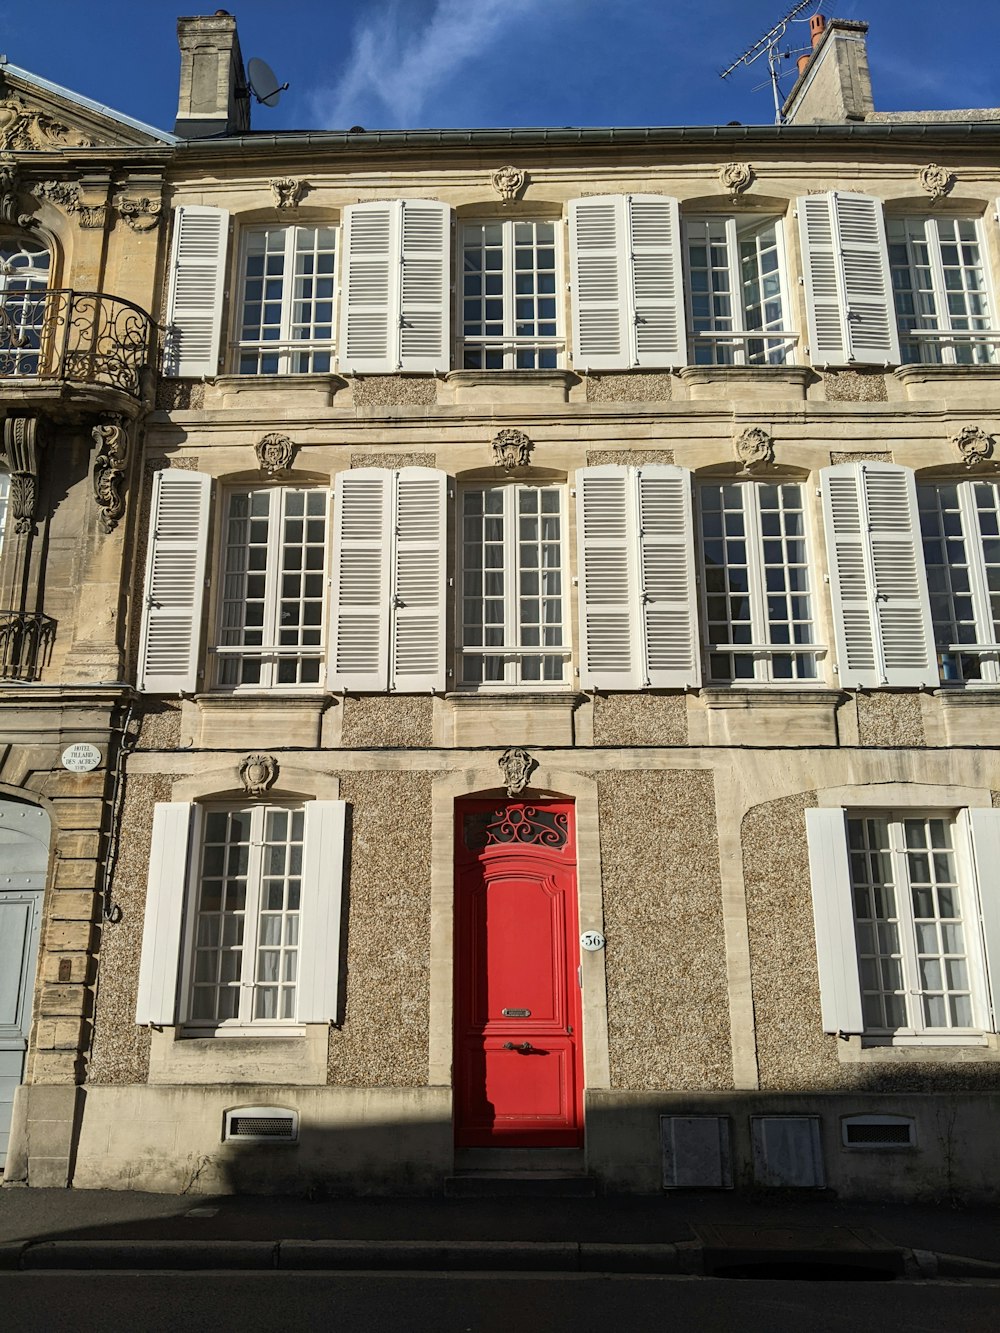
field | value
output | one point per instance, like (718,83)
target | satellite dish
(263,83)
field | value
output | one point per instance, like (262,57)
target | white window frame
(24,335)
(245,1021)
(4,502)
(513,651)
(942,334)
(918,1033)
(985,645)
(760,649)
(739,336)
(270,652)
(286,347)
(509,341)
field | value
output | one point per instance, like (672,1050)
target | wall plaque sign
(81,758)
(592,940)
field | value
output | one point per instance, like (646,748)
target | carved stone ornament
(10,207)
(735,178)
(287,191)
(25,130)
(973,443)
(517,766)
(111,438)
(754,447)
(21,444)
(257,773)
(274,454)
(511,449)
(140,214)
(508,182)
(937,181)
(64,193)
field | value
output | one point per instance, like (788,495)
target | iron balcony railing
(82,337)
(26,638)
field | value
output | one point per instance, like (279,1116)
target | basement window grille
(261,1124)
(879,1131)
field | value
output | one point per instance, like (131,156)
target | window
(245,929)
(274,588)
(940,291)
(960,523)
(510,315)
(736,289)
(286,300)
(24,278)
(756,592)
(512,612)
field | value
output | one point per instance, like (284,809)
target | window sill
(858,1050)
(930,380)
(293,1054)
(747,381)
(243,390)
(478,386)
(279,717)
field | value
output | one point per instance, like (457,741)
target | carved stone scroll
(517,766)
(25,130)
(111,438)
(21,444)
(10,204)
(141,214)
(508,182)
(274,454)
(257,773)
(974,445)
(754,447)
(937,181)
(511,449)
(287,191)
(735,178)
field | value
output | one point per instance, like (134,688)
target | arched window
(24,278)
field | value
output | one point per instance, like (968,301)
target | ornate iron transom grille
(523,824)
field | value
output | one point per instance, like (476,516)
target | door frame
(548,783)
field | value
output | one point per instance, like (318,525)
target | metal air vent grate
(879,1131)
(261,1124)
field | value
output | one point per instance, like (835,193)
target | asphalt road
(484,1303)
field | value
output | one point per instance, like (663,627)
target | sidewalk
(673,1233)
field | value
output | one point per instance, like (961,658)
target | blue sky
(415,63)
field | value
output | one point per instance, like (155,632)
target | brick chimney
(213,99)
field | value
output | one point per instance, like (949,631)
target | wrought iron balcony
(84,338)
(25,640)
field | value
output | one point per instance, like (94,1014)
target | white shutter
(984,830)
(419,579)
(654,230)
(359,654)
(424,329)
(600,285)
(368,335)
(878,586)
(321,902)
(175,582)
(849,307)
(174,824)
(833,914)
(197,288)
(610,654)
(667,573)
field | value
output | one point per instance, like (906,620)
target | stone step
(519,1185)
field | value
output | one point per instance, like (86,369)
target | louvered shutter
(599,281)
(666,564)
(849,307)
(984,830)
(175,582)
(833,915)
(359,656)
(424,329)
(174,826)
(878,587)
(659,339)
(368,336)
(610,655)
(321,904)
(419,578)
(197,289)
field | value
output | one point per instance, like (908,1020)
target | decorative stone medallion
(937,181)
(735,178)
(508,182)
(754,447)
(287,191)
(974,444)
(511,449)
(517,766)
(274,454)
(257,773)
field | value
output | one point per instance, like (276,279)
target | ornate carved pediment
(33,121)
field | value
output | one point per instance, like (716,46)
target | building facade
(546,714)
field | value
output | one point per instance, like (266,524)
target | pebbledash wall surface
(510,535)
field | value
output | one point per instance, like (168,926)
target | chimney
(834,85)
(213,99)
(817,26)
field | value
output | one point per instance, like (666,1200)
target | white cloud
(397,62)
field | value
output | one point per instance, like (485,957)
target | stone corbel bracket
(140,213)
(10,201)
(22,441)
(288,191)
(108,474)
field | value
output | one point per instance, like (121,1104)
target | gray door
(24,854)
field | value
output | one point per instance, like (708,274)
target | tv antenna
(768,45)
(263,83)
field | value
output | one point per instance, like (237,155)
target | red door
(518,1074)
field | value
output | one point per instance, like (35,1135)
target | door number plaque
(592,940)
(516,1013)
